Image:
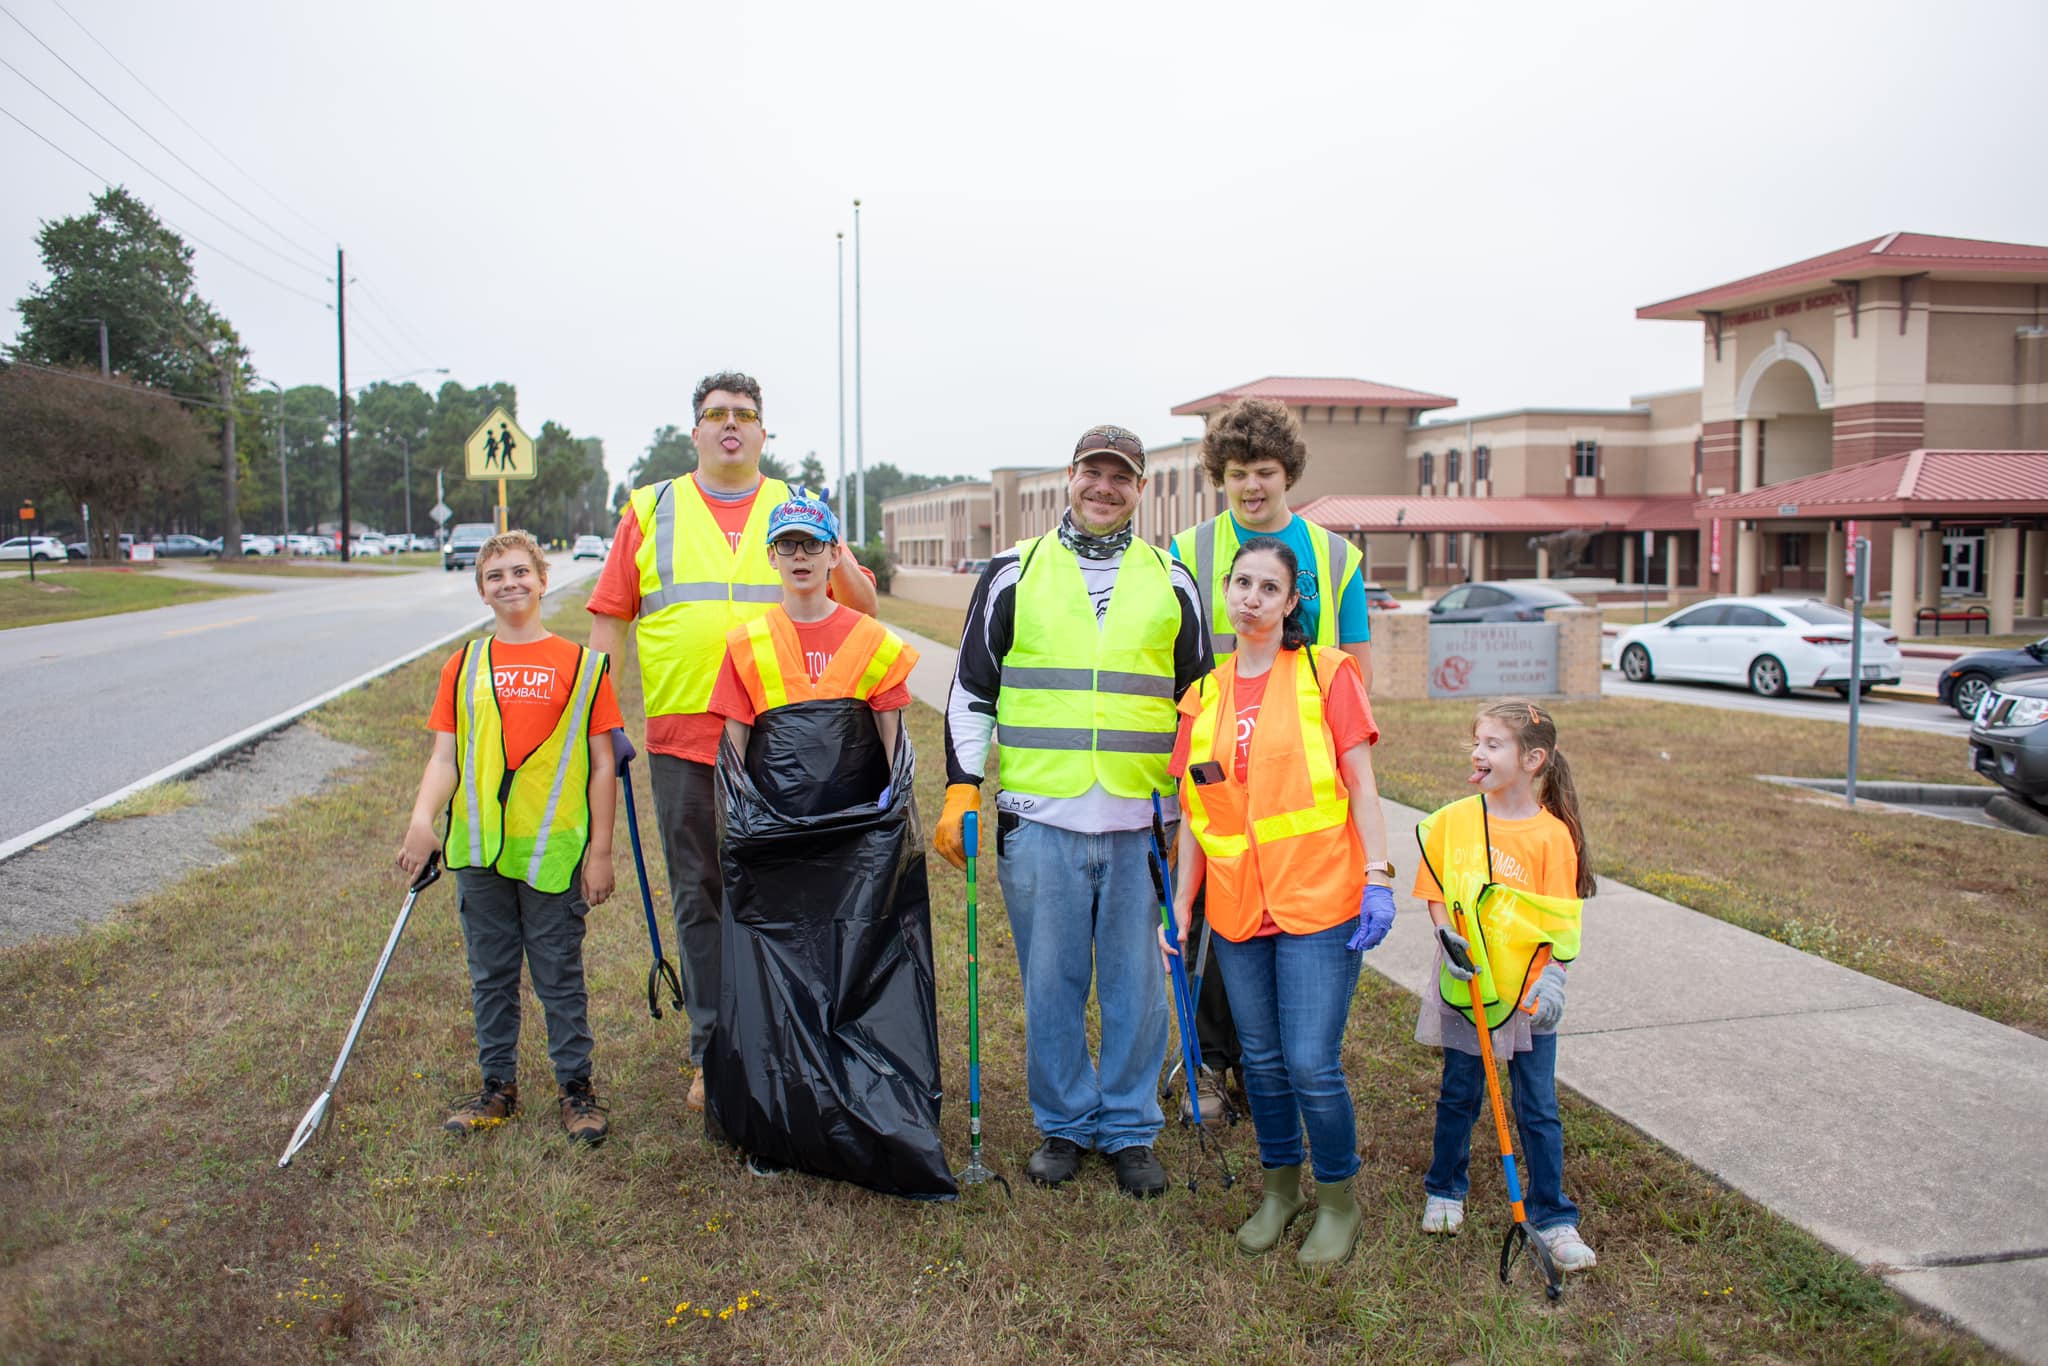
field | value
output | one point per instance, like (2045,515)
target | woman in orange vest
(1284,831)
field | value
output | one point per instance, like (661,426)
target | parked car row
(1772,645)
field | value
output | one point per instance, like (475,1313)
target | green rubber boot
(1283,1201)
(1335,1233)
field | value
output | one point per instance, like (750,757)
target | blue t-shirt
(1354,623)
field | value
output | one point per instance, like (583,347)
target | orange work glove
(961,798)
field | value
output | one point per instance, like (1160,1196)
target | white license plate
(1873,671)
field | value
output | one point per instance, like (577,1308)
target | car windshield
(1545,595)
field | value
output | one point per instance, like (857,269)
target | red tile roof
(1380,513)
(1299,392)
(1898,253)
(1924,483)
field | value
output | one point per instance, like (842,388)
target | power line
(146,391)
(370,332)
(161,179)
(197,241)
(390,315)
(187,122)
(153,137)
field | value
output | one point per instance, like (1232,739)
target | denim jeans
(1290,995)
(1540,1162)
(1082,906)
(502,921)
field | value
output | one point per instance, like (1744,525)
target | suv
(464,542)
(2009,738)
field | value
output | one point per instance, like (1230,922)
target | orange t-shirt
(820,641)
(685,735)
(1534,854)
(534,681)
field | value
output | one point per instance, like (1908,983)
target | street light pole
(860,472)
(406,446)
(341,359)
(841,335)
(106,371)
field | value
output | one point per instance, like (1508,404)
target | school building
(1896,389)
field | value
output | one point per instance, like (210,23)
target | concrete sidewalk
(1905,1133)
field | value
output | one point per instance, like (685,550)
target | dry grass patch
(1673,806)
(942,624)
(157,1064)
(151,801)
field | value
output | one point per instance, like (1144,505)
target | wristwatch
(1381,866)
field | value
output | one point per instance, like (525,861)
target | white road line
(202,757)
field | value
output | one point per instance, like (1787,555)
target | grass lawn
(942,624)
(68,594)
(158,1063)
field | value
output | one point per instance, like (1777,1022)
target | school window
(1586,459)
(1791,552)
(1482,462)
(1451,463)
(1451,541)
(1428,470)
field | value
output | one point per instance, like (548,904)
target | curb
(220,749)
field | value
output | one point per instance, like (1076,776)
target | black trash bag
(825,1054)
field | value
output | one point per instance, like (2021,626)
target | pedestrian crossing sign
(498,449)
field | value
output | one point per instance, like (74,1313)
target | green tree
(385,421)
(812,472)
(670,455)
(111,448)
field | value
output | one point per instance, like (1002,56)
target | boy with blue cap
(809,647)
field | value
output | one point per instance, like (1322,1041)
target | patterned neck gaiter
(1093,547)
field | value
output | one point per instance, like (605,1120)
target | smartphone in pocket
(1006,825)
(1206,772)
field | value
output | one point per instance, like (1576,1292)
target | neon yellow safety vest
(1504,925)
(1207,549)
(1082,703)
(531,823)
(694,587)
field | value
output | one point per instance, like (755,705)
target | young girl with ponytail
(1512,859)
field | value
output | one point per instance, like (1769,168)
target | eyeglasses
(746,417)
(800,545)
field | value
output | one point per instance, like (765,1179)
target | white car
(590,547)
(42,547)
(1772,645)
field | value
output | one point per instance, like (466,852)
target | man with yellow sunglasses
(686,567)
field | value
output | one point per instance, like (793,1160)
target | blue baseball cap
(804,512)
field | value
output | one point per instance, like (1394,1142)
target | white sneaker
(1567,1248)
(1442,1216)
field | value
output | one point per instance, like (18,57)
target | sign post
(28,529)
(1859,593)
(499,449)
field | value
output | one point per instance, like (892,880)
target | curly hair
(1250,430)
(732,381)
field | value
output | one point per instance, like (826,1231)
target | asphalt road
(94,705)
(1875,711)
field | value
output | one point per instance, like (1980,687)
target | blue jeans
(1290,995)
(1540,1162)
(1082,905)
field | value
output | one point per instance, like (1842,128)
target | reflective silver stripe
(1108,741)
(757,592)
(1045,737)
(1341,552)
(1022,676)
(664,543)
(1133,685)
(1221,642)
(578,714)
(477,650)
(1135,741)
(714,590)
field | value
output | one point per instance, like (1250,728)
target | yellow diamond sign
(498,449)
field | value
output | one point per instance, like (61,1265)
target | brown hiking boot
(582,1115)
(496,1103)
(695,1100)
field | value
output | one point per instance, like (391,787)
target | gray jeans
(502,921)
(685,809)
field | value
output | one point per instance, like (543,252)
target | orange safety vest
(770,661)
(1281,843)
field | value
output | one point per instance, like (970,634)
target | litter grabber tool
(975,1173)
(661,971)
(316,1114)
(1519,1232)
(1230,1115)
(1183,998)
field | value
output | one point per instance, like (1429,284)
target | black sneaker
(1138,1173)
(1055,1162)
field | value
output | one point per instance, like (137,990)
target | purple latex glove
(1375,917)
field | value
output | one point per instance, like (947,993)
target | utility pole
(231,520)
(841,484)
(106,371)
(406,446)
(341,353)
(860,470)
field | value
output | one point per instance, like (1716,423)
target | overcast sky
(1070,213)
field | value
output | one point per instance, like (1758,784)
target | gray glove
(1548,996)
(1457,953)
